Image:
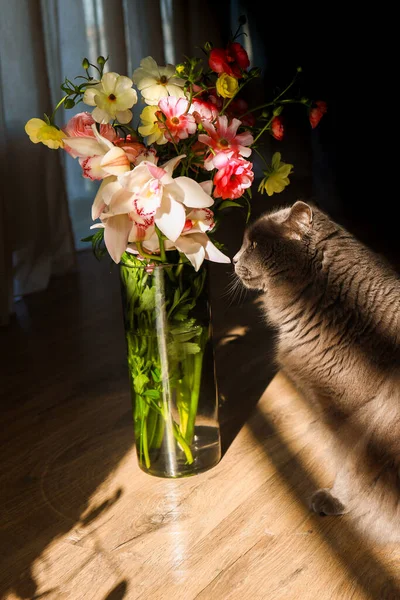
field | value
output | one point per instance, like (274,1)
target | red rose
(230,61)
(277,128)
(317,112)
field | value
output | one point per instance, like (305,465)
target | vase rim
(151,265)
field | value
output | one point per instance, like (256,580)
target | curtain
(44,201)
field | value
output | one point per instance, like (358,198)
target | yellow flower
(227,86)
(40,131)
(149,127)
(276,178)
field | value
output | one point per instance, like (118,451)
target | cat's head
(274,245)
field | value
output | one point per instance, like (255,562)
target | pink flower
(233,177)
(223,138)
(277,128)
(178,124)
(203,110)
(81,126)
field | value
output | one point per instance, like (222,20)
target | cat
(335,305)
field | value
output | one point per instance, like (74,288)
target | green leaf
(190,323)
(87,239)
(139,382)
(228,203)
(156,373)
(189,348)
(276,159)
(148,299)
(154,394)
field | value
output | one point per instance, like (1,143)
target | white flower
(156,82)
(146,196)
(113,96)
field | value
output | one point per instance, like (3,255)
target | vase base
(206,452)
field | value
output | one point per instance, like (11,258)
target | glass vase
(171,367)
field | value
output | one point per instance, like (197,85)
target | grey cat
(336,308)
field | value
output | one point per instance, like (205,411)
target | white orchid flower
(98,157)
(148,195)
(113,97)
(156,82)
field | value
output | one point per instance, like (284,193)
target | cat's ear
(299,220)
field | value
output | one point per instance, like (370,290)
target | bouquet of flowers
(165,186)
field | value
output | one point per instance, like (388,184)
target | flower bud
(208,46)
(69,103)
(265,114)
(85,63)
(180,69)
(242,20)
(101,60)
(160,116)
(304,100)
(299,69)
(277,111)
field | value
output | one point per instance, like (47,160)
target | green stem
(57,107)
(145,444)
(159,433)
(261,156)
(161,243)
(152,425)
(194,396)
(190,99)
(262,130)
(233,97)
(145,254)
(286,89)
(182,442)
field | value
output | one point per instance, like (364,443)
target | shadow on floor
(66,417)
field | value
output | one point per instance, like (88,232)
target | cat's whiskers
(233,290)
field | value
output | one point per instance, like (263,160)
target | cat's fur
(336,307)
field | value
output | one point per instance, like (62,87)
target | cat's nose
(235,259)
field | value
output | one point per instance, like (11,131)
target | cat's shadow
(244,353)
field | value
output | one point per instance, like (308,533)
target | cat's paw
(323,503)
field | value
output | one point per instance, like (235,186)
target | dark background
(347,165)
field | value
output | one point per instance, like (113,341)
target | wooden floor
(80,521)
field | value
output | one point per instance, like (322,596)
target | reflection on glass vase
(171,367)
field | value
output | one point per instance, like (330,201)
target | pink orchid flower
(193,241)
(98,157)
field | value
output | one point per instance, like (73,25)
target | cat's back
(343,329)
